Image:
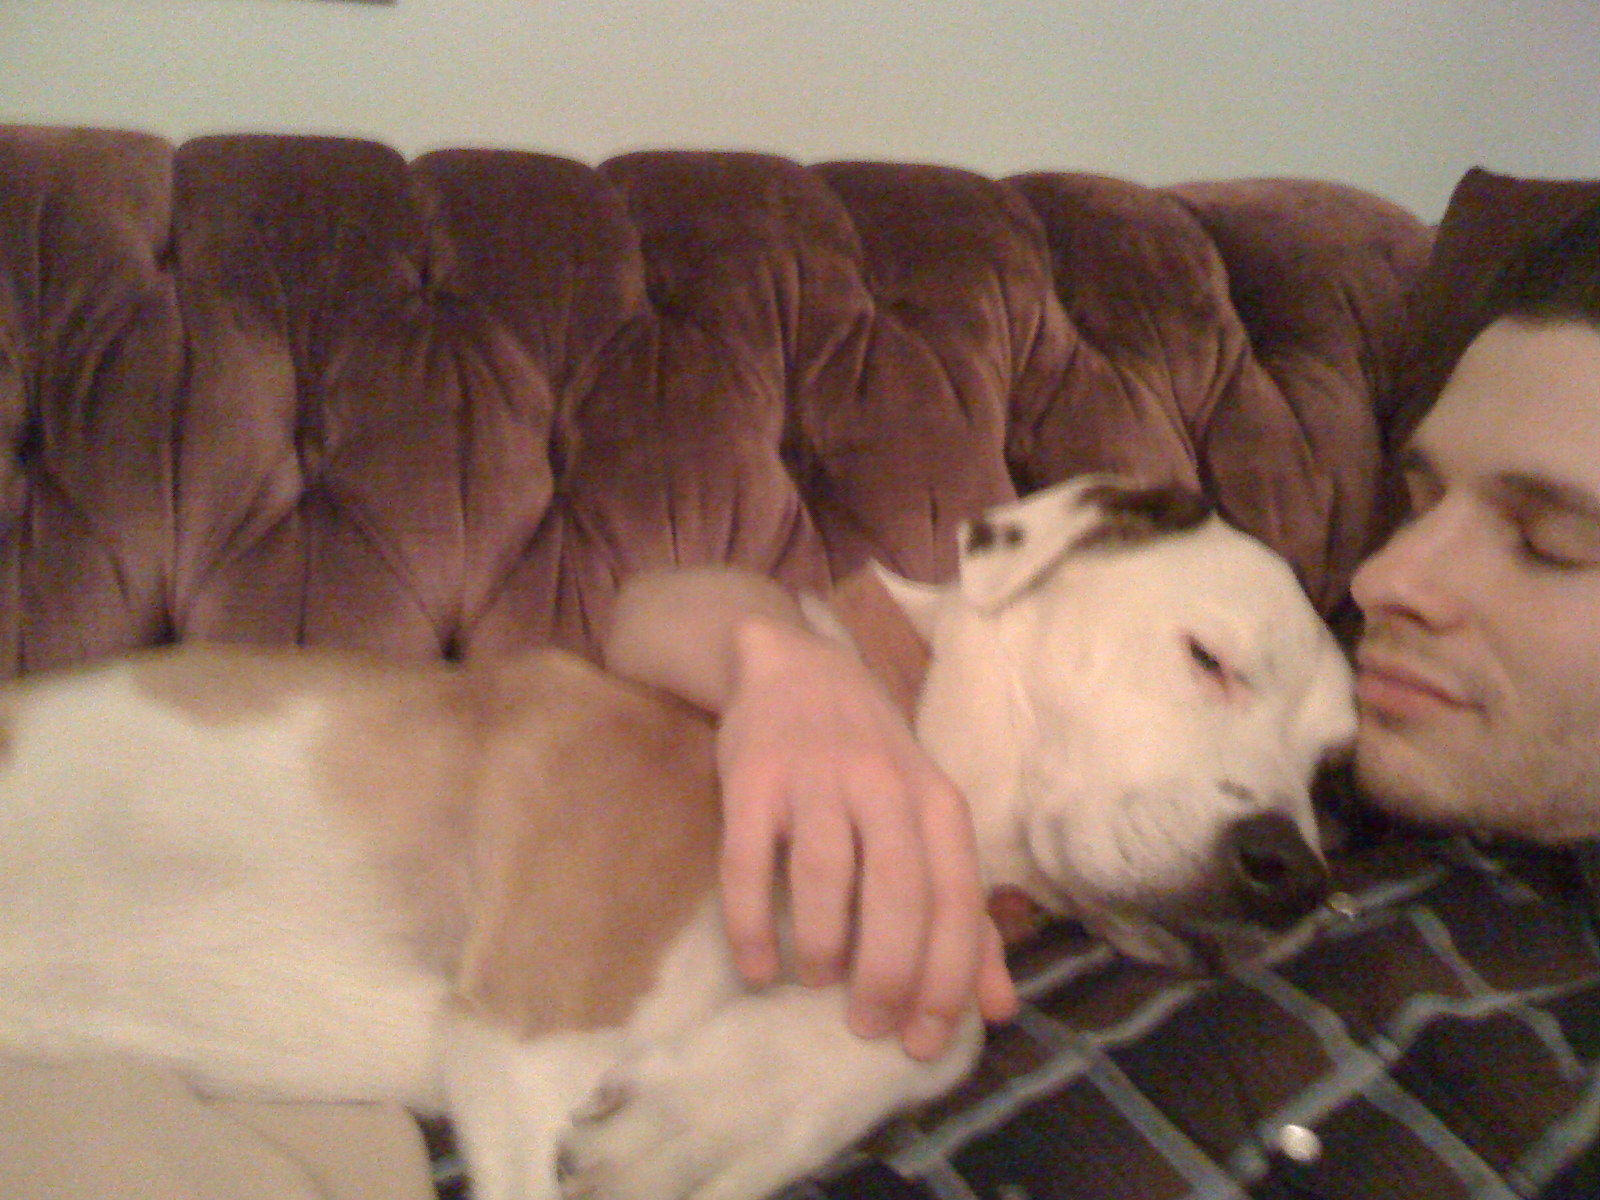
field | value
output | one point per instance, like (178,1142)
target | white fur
(179,890)
(709,1091)
(146,868)
(1101,763)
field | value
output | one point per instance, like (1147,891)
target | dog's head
(1135,697)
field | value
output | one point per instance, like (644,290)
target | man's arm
(821,774)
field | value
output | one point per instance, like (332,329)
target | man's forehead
(1524,405)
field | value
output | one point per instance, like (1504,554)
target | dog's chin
(1210,947)
(1149,941)
(1189,943)
(1183,946)
(1017,915)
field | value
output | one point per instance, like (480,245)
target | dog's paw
(651,1131)
(630,1141)
(741,1106)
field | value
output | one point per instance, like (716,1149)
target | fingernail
(871,1021)
(758,969)
(819,974)
(926,1036)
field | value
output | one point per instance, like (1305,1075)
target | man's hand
(829,799)
(821,775)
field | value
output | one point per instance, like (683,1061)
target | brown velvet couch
(285,389)
(288,389)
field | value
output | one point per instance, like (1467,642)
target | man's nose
(1417,572)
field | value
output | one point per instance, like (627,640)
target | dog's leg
(771,1087)
(511,1100)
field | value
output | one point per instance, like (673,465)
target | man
(1478,681)
(1480,661)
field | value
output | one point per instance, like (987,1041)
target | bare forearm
(681,629)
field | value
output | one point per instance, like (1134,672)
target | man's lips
(1392,686)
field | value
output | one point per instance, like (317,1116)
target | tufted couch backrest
(288,389)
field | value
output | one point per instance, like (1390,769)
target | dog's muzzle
(1266,878)
(1272,876)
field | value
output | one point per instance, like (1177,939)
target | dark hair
(1557,279)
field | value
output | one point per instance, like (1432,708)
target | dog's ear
(919,601)
(1012,546)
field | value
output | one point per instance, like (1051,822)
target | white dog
(490,890)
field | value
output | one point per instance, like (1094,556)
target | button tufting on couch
(285,389)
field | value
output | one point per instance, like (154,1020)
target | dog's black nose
(1275,876)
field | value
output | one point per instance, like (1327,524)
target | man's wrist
(767,648)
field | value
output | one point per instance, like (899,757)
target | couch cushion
(295,389)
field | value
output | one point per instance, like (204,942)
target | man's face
(1479,670)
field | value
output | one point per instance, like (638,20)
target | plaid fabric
(1437,1039)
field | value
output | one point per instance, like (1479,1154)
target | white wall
(1398,96)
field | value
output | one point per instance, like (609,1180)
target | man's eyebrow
(1523,487)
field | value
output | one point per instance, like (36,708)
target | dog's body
(490,890)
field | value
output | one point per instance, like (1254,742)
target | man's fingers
(822,882)
(882,875)
(959,932)
(750,841)
(997,991)
(892,926)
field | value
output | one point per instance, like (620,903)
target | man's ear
(1012,546)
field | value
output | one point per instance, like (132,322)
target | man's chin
(1411,784)
(1404,780)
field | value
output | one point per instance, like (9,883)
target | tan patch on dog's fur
(554,826)
(547,828)
(623,787)
(884,636)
